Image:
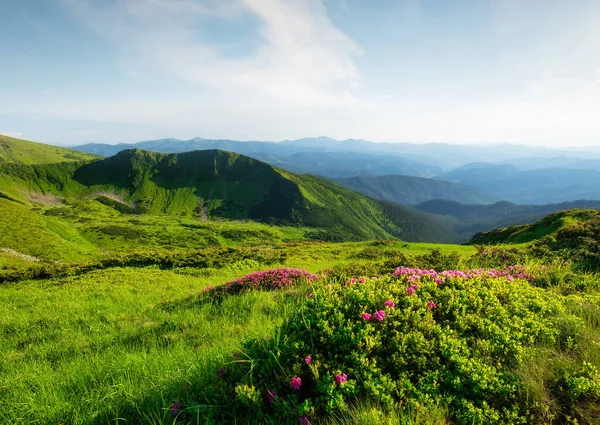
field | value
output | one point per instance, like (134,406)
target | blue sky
(460,71)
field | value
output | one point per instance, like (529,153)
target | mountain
(25,152)
(537,186)
(409,190)
(473,219)
(347,164)
(444,156)
(297,159)
(218,184)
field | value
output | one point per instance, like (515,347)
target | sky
(456,71)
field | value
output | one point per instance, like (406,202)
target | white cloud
(301,57)
(14,134)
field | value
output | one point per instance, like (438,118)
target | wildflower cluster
(510,273)
(410,337)
(268,279)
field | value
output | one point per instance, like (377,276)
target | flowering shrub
(457,338)
(268,279)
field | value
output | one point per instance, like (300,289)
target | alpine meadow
(314,212)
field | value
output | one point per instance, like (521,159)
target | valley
(211,287)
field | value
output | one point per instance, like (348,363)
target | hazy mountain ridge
(473,219)
(520,174)
(409,190)
(535,186)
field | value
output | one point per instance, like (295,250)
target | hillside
(472,219)
(213,184)
(25,152)
(409,190)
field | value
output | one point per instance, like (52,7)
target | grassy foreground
(126,344)
(116,345)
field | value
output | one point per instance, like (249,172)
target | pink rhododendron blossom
(389,303)
(379,315)
(308,359)
(310,296)
(366,316)
(339,378)
(431,305)
(296,383)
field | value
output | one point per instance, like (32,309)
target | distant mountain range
(532,186)
(410,190)
(440,155)
(519,174)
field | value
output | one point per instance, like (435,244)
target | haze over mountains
(515,173)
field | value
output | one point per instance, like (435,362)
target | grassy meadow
(116,345)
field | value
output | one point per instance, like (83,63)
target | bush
(417,338)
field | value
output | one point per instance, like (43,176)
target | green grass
(26,152)
(96,347)
(92,349)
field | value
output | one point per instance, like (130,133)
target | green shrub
(457,343)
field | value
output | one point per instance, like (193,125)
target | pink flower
(271,396)
(296,383)
(308,359)
(175,409)
(379,315)
(366,316)
(362,280)
(310,296)
(340,378)
(389,303)
(410,290)
(431,305)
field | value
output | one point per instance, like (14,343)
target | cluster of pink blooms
(510,273)
(379,315)
(268,279)
(296,382)
(412,288)
(361,280)
(340,378)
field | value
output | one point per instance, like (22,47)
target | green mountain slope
(25,152)
(553,228)
(473,219)
(572,234)
(217,184)
(409,190)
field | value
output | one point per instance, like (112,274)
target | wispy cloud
(301,56)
